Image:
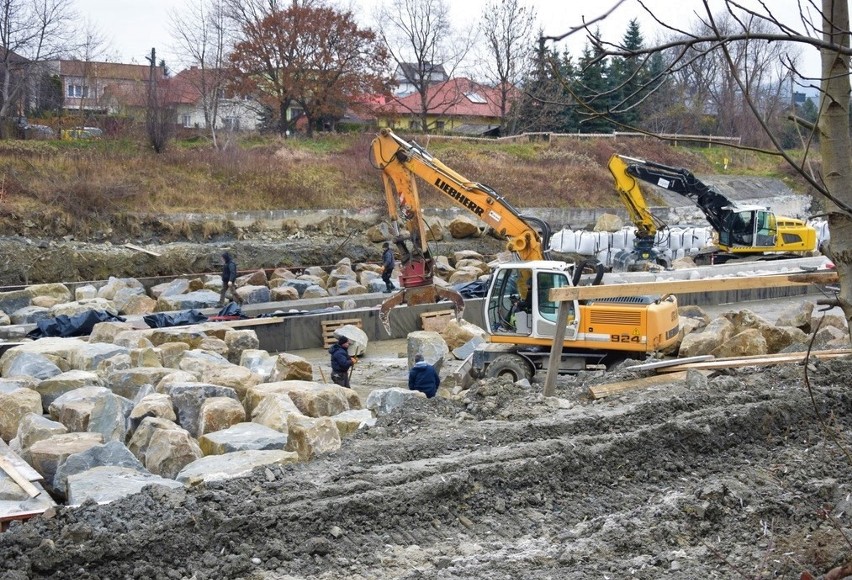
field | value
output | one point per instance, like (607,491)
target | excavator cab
(518,301)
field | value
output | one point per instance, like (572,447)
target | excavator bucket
(420,295)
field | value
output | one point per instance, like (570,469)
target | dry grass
(88,182)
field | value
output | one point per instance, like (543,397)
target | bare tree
(31,31)
(202,32)
(420,39)
(508,27)
(159,117)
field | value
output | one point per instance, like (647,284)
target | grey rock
(109,483)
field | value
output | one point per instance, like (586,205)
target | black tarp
(76,325)
(166,319)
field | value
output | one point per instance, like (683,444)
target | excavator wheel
(511,366)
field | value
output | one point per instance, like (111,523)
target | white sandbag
(604,257)
(675,238)
(697,238)
(563,241)
(678,254)
(604,240)
(619,239)
(587,243)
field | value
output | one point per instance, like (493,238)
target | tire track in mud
(527,498)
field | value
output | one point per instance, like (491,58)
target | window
(546,281)
(439,125)
(414,124)
(231,123)
(186,120)
(476,98)
(78,91)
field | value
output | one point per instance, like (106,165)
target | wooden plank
(437,320)
(601,391)
(18,478)
(141,249)
(18,463)
(691,286)
(760,360)
(329,326)
(249,322)
(670,363)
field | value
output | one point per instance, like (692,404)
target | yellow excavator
(519,315)
(743,231)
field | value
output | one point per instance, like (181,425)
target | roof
(108,70)
(456,97)
(408,71)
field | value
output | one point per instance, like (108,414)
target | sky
(132,27)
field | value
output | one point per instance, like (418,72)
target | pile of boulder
(100,418)
(128,296)
(741,333)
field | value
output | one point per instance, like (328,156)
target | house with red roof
(103,87)
(187,91)
(456,106)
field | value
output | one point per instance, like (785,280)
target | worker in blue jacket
(423,377)
(341,362)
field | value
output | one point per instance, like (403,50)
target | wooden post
(556,348)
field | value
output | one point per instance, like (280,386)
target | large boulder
(357,339)
(15,404)
(29,364)
(236,464)
(190,301)
(152,405)
(219,413)
(107,331)
(94,409)
(462,227)
(171,353)
(172,288)
(14,300)
(73,308)
(312,399)
(139,305)
(242,437)
(49,454)
(253,295)
(349,422)
(125,296)
(29,314)
(311,437)
(201,361)
(798,315)
(273,411)
(128,382)
(188,398)
(384,401)
(97,356)
(428,343)
(708,340)
(32,428)
(290,367)
(260,363)
(238,341)
(236,377)
(163,447)
(749,342)
(109,483)
(111,453)
(54,387)
(459,332)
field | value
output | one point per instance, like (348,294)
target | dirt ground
(742,475)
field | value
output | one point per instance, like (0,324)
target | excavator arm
(713,204)
(401,164)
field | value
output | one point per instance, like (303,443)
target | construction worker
(423,377)
(341,362)
(387,267)
(229,276)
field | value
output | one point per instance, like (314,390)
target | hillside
(92,189)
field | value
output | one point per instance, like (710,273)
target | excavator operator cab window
(742,228)
(508,310)
(545,282)
(767,229)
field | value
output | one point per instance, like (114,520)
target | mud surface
(730,477)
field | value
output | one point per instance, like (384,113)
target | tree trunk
(835,143)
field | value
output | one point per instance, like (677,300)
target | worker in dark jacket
(341,362)
(229,277)
(423,377)
(387,267)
